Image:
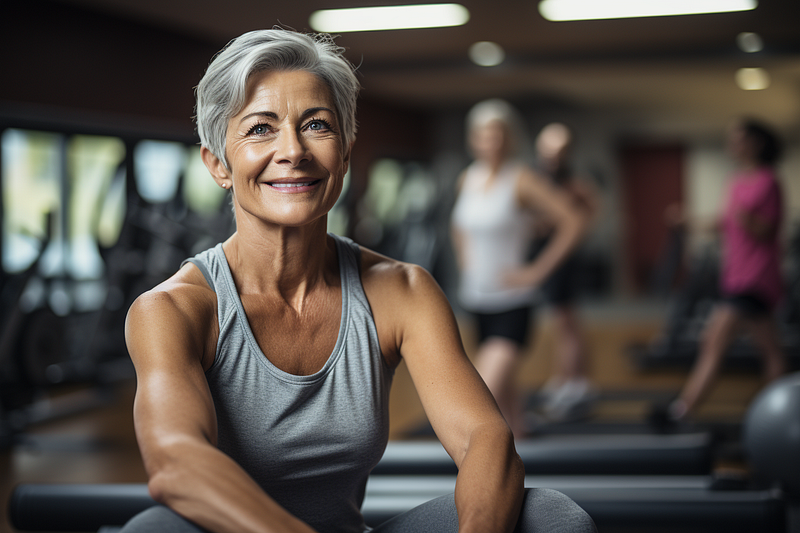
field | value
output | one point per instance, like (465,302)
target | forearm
(565,239)
(208,488)
(490,484)
(457,240)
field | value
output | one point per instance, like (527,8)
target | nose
(291,148)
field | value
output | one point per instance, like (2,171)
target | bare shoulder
(180,309)
(400,295)
(185,292)
(386,276)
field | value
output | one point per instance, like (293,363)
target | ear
(346,158)
(216,167)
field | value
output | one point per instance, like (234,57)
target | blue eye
(259,129)
(318,125)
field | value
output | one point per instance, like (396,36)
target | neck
(495,164)
(285,261)
(749,165)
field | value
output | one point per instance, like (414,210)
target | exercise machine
(615,503)
(767,501)
(644,454)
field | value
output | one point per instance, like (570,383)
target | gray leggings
(543,510)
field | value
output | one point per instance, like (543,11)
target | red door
(652,179)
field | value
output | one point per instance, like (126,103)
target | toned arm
(456,236)
(569,223)
(167,332)
(415,322)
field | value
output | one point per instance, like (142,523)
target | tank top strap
(203,270)
(213,264)
(349,263)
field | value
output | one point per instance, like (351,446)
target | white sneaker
(573,400)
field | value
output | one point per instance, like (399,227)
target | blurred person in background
(568,393)
(751,282)
(499,199)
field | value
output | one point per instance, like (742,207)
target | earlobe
(215,166)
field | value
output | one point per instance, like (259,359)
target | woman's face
(741,146)
(490,141)
(285,150)
(552,145)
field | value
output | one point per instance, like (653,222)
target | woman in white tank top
(499,198)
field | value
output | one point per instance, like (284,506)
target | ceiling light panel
(563,10)
(389,18)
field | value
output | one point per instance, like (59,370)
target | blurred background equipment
(80,241)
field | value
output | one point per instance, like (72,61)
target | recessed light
(749,42)
(752,79)
(486,53)
(562,10)
(389,18)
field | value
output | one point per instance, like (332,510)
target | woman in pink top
(751,284)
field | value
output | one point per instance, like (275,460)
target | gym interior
(104,194)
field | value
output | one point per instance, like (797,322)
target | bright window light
(561,10)
(389,18)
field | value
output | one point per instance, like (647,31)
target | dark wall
(73,59)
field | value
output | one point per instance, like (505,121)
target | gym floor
(98,445)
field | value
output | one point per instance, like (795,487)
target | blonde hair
(499,110)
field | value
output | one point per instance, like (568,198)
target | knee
(547,510)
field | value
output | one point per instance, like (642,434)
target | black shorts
(512,325)
(748,304)
(559,288)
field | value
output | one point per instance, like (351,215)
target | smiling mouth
(288,185)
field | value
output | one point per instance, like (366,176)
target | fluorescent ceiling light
(561,10)
(389,18)
(486,53)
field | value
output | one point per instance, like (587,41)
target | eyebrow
(270,114)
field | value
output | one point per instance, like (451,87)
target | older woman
(264,363)
(500,200)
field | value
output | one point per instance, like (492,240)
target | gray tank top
(309,441)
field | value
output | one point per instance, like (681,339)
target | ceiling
(673,74)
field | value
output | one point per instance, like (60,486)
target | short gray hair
(221,92)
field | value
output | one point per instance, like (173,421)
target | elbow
(167,475)
(169,485)
(157,488)
(517,469)
(574,225)
(582,224)
(514,465)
